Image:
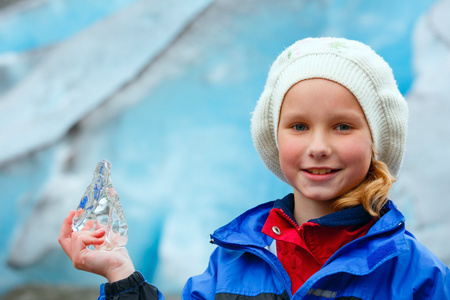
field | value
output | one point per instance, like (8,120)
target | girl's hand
(113,265)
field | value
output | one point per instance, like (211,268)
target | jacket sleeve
(135,287)
(437,286)
(203,286)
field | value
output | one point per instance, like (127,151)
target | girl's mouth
(320,171)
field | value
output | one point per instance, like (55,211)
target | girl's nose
(319,146)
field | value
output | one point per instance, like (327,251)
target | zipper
(285,215)
(254,252)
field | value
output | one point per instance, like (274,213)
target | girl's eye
(343,127)
(300,127)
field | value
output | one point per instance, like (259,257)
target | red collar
(304,249)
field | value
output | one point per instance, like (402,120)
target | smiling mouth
(321,171)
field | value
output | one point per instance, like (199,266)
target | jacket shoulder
(256,278)
(426,274)
(423,257)
(241,250)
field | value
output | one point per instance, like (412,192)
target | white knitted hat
(351,64)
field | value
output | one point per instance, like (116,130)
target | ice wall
(422,189)
(166,95)
(81,73)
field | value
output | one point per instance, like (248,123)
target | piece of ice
(100,208)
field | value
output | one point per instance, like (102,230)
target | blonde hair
(372,192)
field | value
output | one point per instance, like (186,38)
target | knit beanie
(353,65)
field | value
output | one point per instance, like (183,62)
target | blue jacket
(387,263)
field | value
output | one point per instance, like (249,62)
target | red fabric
(303,250)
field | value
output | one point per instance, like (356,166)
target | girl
(332,124)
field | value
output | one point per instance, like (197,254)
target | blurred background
(164,90)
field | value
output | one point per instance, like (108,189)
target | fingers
(86,238)
(80,240)
(74,242)
(113,265)
(66,228)
(65,232)
(98,233)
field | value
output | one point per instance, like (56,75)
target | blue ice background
(193,128)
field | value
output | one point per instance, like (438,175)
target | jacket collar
(385,240)
(373,249)
(245,230)
(352,216)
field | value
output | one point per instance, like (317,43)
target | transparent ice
(100,208)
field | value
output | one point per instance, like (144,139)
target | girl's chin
(317,197)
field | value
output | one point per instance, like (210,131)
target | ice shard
(100,208)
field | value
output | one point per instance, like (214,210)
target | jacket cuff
(124,285)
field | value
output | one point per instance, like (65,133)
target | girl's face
(324,141)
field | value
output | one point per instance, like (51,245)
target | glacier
(421,190)
(172,84)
